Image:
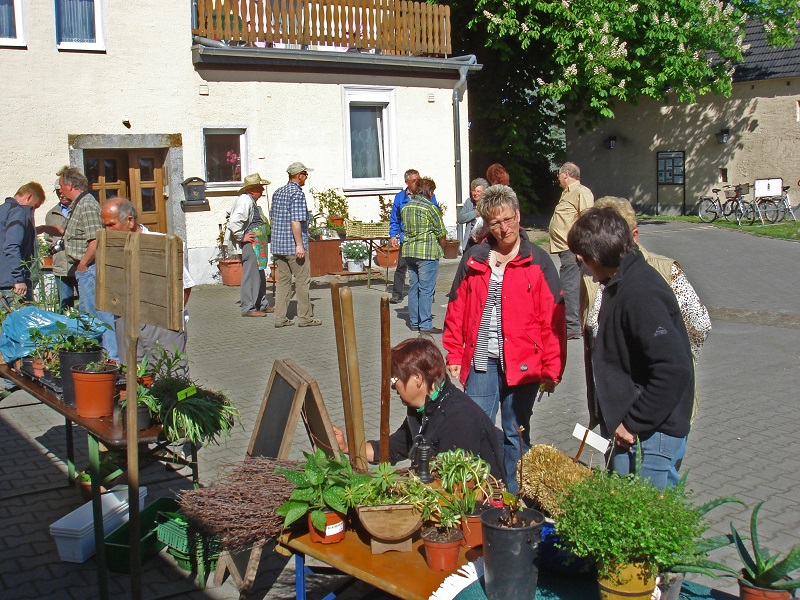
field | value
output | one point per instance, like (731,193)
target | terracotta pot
(442,556)
(450,248)
(334,528)
(146,380)
(628,582)
(336,221)
(386,254)
(38,367)
(231,271)
(47,261)
(94,392)
(69,360)
(750,592)
(85,488)
(473,531)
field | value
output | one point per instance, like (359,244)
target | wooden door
(107,172)
(146,174)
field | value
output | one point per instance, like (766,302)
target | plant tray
(186,563)
(174,532)
(118,550)
(359,229)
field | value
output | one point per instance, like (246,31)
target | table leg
(97,514)
(300,576)
(195,467)
(369,267)
(70,452)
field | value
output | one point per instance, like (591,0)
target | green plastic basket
(117,543)
(173,530)
(202,564)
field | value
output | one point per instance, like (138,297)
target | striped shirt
(81,226)
(490,332)
(288,205)
(423,226)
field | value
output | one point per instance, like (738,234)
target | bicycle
(784,204)
(734,207)
(768,209)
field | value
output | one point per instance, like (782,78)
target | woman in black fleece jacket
(641,360)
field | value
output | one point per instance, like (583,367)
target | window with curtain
(78,23)
(370,136)
(11,19)
(223,155)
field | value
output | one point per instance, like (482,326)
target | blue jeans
(422,283)
(86,284)
(67,286)
(661,458)
(490,391)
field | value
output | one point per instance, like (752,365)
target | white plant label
(597,442)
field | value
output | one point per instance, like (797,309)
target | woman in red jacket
(505,331)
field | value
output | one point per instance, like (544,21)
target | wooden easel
(139,277)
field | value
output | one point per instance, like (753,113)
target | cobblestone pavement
(747,376)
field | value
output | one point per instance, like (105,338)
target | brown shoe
(269,309)
(255,313)
(432,331)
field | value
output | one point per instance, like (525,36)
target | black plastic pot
(510,553)
(143,417)
(69,360)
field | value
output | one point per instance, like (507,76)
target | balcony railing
(382,26)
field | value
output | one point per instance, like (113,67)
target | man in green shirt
(424,234)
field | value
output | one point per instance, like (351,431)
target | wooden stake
(336,301)
(358,452)
(386,374)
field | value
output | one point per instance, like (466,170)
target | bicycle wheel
(729,210)
(769,209)
(746,213)
(707,210)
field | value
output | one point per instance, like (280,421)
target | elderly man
(18,241)
(397,232)
(247,229)
(289,216)
(63,271)
(574,199)
(80,241)
(119,214)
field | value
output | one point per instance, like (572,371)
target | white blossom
(633,8)
(604,40)
(622,83)
(540,81)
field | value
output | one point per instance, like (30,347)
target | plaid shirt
(81,226)
(288,204)
(423,226)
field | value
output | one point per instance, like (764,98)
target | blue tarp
(15,341)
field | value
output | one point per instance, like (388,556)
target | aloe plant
(761,568)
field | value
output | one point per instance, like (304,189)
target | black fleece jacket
(641,360)
(453,421)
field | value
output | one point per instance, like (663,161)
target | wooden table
(373,243)
(403,574)
(102,430)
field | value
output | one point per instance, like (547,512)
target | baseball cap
(58,184)
(295,168)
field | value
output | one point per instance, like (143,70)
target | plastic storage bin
(74,533)
(118,550)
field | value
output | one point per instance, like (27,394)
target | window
(12,18)
(370,136)
(79,25)
(224,155)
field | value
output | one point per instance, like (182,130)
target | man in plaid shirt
(80,242)
(289,242)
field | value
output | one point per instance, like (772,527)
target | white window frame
(99,44)
(372,96)
(20,21)
(243,152)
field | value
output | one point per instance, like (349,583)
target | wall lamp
(610,142)
(723,136)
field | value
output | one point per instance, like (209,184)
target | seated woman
(439,414)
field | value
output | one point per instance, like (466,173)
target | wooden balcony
(392,27)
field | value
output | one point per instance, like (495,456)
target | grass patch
(785,230)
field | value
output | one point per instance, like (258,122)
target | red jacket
(534,326)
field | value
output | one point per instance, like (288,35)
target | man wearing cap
(63,271)
(289,216)
(18,241)
(246,226)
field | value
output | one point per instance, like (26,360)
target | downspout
(457,96)
(203,41)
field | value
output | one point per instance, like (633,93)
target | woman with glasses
(505,333)
(438,413)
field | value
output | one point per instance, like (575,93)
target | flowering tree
(599,51)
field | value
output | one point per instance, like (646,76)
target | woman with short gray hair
(469,210)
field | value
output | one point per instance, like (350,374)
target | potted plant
(763,576)
(148,407)
(111,471)
(332,205)
(319,494)
(94,389)
(620,523)
(355,252)
(191,412)
(230,265)
(77,345)
(442,541)
(386,255)
(44,251)
(43,353)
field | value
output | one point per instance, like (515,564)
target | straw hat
(251,182)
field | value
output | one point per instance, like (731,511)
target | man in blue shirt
(396,232)
(289,242)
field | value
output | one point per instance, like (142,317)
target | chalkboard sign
(280,409)
(291,393)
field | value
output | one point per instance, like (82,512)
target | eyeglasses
(393,380)
(303,173)
(509,221)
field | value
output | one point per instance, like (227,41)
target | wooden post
(338,327)
(386,374)
(357,445)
